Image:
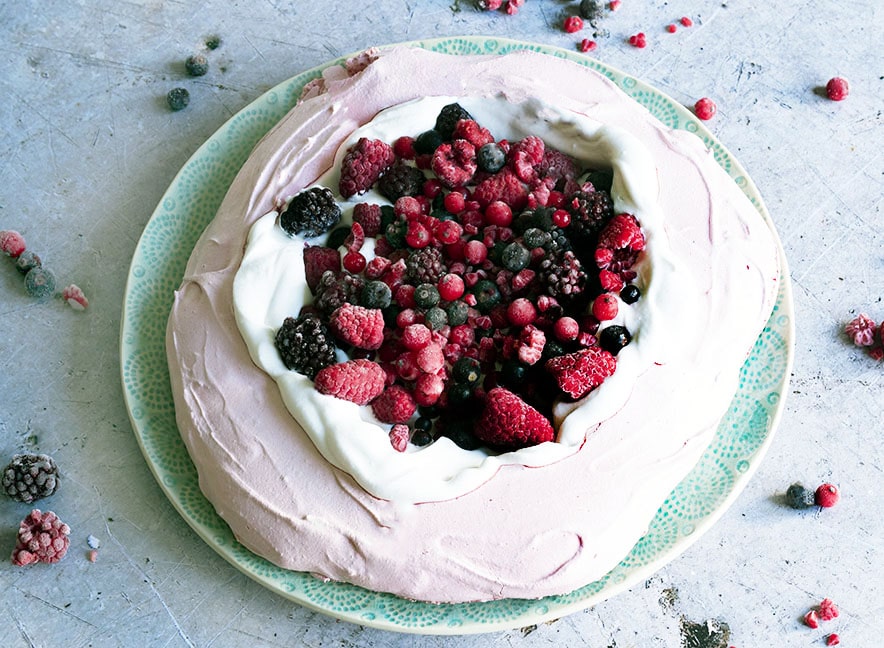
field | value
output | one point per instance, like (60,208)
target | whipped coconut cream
(522,526)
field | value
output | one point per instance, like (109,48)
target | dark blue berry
(178,98)
(601,179)
(337,237)
(375,294)
(613,338)
(459,393)
(196,65)
(490,157)
(422,437)
(426,295)
(534,237)
(427,142)
(435,318)
(448,118)
(423,423)
(515,257)
(630,294)
(487,295)
(40,283)
(513,372)
(799,497)
(466,370)
(458,312)
(27,261)
(461,432)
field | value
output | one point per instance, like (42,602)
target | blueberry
(459,393)
(461,432)
(490,157)
(421,437)
(799,497)
(40,283)
(458,312)
(513,372)
(196,65)
(27,261)
(487,295)
(426,295)
(375,294)
(435,318)
(178,98)
(337,237)
(515,257)
(535,237)
(427,142)
(466,370)
(423,423)
(614,338)
(630,294)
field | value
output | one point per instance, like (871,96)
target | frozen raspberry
(509,423)
(580,372)
(828,609)
(573,24)
(42,537)
(401,180)
(686,22)
(861,330)
(363,164)
(469,130)
(837,89)
(74,297)
(318,259)
(30,477)
(428,389)
(11,243)
(587,45)
(705,108)
(359,326)
(812,619)
(561,168)
(530,346)
(358,381)
(833,639)
(503,186)
(455,163)
(619,245)
(310,213)
(399,436)
(394,405)
(524,156)
(827,495)
(355,239)
(430,359)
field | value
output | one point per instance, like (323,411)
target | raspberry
(833,639)
(828,609)
(394,405)
(318,259)
(580,372)
(587,45)
(74,297)
(30,477)
(827,495)
(358,381)
(310,213)
(619,245)
(399,436)
(504,186)
(686,22)
(42,537)
(401,180)
(812,619)
(561,168)
(861,330)
(530,345)
(427,389)
(837,89)
(448,118)
(305,345)
(363,165)
(469,130)
(573,24)
(525,155)
(605,307)
(509,423)
(799,497)
(359,326)
(455,163)
(11,243)
(705,108)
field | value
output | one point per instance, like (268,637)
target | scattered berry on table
(305,344)
(686,21)
(27,261)
(614,5)
(812,619)
(178,98)
(828,610)
(799,497)
(213,42)
(30,477)
(196,65)
(705,108)
(671,28)
(310,213)
(587,45)
(591,10)
(573,24)
(861,329)
(359,381)
(40,283)
(837,89)
(833,639)
(74,297)
(93,542)
(827,495)
(42,537)
(12,243)
(638,40)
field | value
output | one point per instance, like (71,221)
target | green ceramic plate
(157,269)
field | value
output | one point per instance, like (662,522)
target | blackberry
(448,118)
(435,318)
(178,98)
(375,294)
(613,338)
(491,157)
(401,180)
(458,312)
(562,274)
(487,295)
(630,294)
(305,345)
(196,65)
(426,295)
(310,213)
(427,142)
(799,497)
(425,266)
(337,288)
(590,212)
(30,477)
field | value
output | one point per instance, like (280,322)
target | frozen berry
(359,381)
(42,537)
(30,477)
(812,619)
(40,283)
(11,243)
(630,294)
(799,497)
(426,295)
(375,294)
(427,142)
(833,639)
(828,609)
(310,213)
(196,65)
(178,98)
(435,318)
(515,257)
(573,24)
(447,119)
(705,108)
(27,261)
(827,495)
(74,297)
(491,157)
(638,40)
(861,330)
(837,89)
(613,338)
(305,344)
(605,307)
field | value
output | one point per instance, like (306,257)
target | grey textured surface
(88,147)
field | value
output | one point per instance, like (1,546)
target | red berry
(521,312)
(42,537)
(614,5)
(827,495)
(451,286)
(354,262)
(828,609)
(417,235)
(671,28)
(404,147)
(833,640)
(812,619)
(686,22)
(394,405)
(573,24)
(416,336)
(432,188)
(454,202)
(448,232)
(11,243)
(498,213)
(475,252)
(509,422)
(408,207)
(363,164)
(587,45)
(837,89)
(430,359)
(605,307)
(427,389)
(705,108)
(399,437)
(638,40)
(362,327)
(580,372)
(358,381)
(561,218)
(566,329)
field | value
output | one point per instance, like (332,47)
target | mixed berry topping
(30,477)
(42,537)
(485,292)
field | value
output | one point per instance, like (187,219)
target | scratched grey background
(88,148)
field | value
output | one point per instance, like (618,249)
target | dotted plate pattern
(157,269)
